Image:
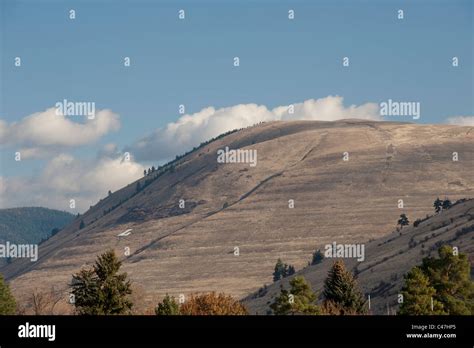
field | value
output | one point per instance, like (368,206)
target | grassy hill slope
(387,259)
(183,250)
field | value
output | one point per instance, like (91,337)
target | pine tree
(85,289)
(102,290)
(341,290)
(446,204)
(299,300)
(282,305)
(7,301)
(403,221)
(168,306)
(82,225)
(318,257)
(450,276)
(291,270)
(304,297)
(280,271)
(418,295)
(437,204)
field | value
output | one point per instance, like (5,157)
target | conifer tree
(318,257)
(450,276)
(299,300)
(7,301)
(280,271)
(168,306)
(342,291)
(403,221)
(446,204)
(418,295)
(282,305)
(304,297)
(102,290)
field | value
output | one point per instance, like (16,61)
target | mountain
(30,225)
(388,259)
(179,250)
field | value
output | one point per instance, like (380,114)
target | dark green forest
(31,225)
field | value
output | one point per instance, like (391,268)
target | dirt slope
(176,251)
(388,258)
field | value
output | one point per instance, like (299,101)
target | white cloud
(461,120)
(65,177)
(108,151)
(190,130)
(48,129)
(328,109)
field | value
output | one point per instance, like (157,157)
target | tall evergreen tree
(102,290)
(299,300)
(450,276)
(341,290)
(418,295)
(168,306)
(304,297)
(82,225)
(7,301)
(282,305)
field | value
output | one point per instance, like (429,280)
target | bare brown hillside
(174,250)
(388,258)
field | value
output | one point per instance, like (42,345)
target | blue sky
(190,61)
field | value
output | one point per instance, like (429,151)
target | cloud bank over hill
(190,130)
(48,128)
(64,178)
(44,133)
(47,135)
